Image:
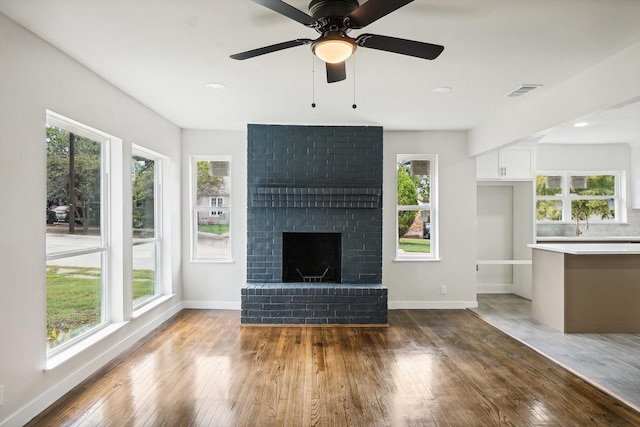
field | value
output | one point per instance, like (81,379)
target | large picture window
(416,207)
(76,239)
(147,236)
(211,208)
(588,197)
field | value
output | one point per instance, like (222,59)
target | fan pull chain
(313,82)
(354,106)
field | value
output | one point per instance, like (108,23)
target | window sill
(68,354)
(416,259)
(151,305)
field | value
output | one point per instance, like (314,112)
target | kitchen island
(587,287)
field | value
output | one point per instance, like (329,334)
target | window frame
(431,206)
(566,197)
(104,246)
(157,239)
(195,209)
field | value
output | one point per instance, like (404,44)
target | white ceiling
(163,52)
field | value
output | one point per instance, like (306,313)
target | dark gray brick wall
(315,179)
(304,303)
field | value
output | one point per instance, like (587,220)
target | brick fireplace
(317,189)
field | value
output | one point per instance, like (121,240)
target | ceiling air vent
(522,90)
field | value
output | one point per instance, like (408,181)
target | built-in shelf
(503,261)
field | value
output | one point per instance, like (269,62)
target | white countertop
(588,238)
(590,248)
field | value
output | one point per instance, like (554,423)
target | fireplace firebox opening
(311,257)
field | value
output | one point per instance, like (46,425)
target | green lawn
(214,228)
(415,245)
(74,299)
(73,302)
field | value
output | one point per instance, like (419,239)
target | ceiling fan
(333,19)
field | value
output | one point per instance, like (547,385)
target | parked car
(426,230)
(51,216)
(62,212)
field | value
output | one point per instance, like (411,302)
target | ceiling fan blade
(372,11)
(289,11)
(336,72)
(268,49)
(401,46)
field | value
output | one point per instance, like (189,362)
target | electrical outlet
(443,289)
(1,395)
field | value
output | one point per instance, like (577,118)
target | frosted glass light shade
(334,51)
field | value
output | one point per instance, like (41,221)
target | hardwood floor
(609,361)
(429,368)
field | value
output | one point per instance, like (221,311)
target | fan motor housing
(325,8)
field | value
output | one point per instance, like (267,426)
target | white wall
(415,284)
(609,83)
(34,77)
(207,284)
(411,284)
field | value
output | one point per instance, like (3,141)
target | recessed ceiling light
(214,85)
(580,124)
(442,89)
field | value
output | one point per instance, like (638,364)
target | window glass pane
(592,210)
(593,185)
(213,234)
(143,187)
(548,185)
(73,191)
(549,210)
(212,179)
(144,272)
(414,182)
(212,209)
(414,232)
(74,297)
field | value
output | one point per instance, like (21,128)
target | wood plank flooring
(609,361)
(429,368)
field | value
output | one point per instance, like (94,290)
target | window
(416,207)
(77,244)
(211,208)
(215,202)
(580,196)
(145,173)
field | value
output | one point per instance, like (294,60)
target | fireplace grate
(306,278)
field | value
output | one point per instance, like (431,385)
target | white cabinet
(508,163)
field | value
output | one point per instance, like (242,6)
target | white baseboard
(212,305)
(429,305)
(393,305)
(494,288)
(50,396)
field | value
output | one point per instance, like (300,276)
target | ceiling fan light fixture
(334,50)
